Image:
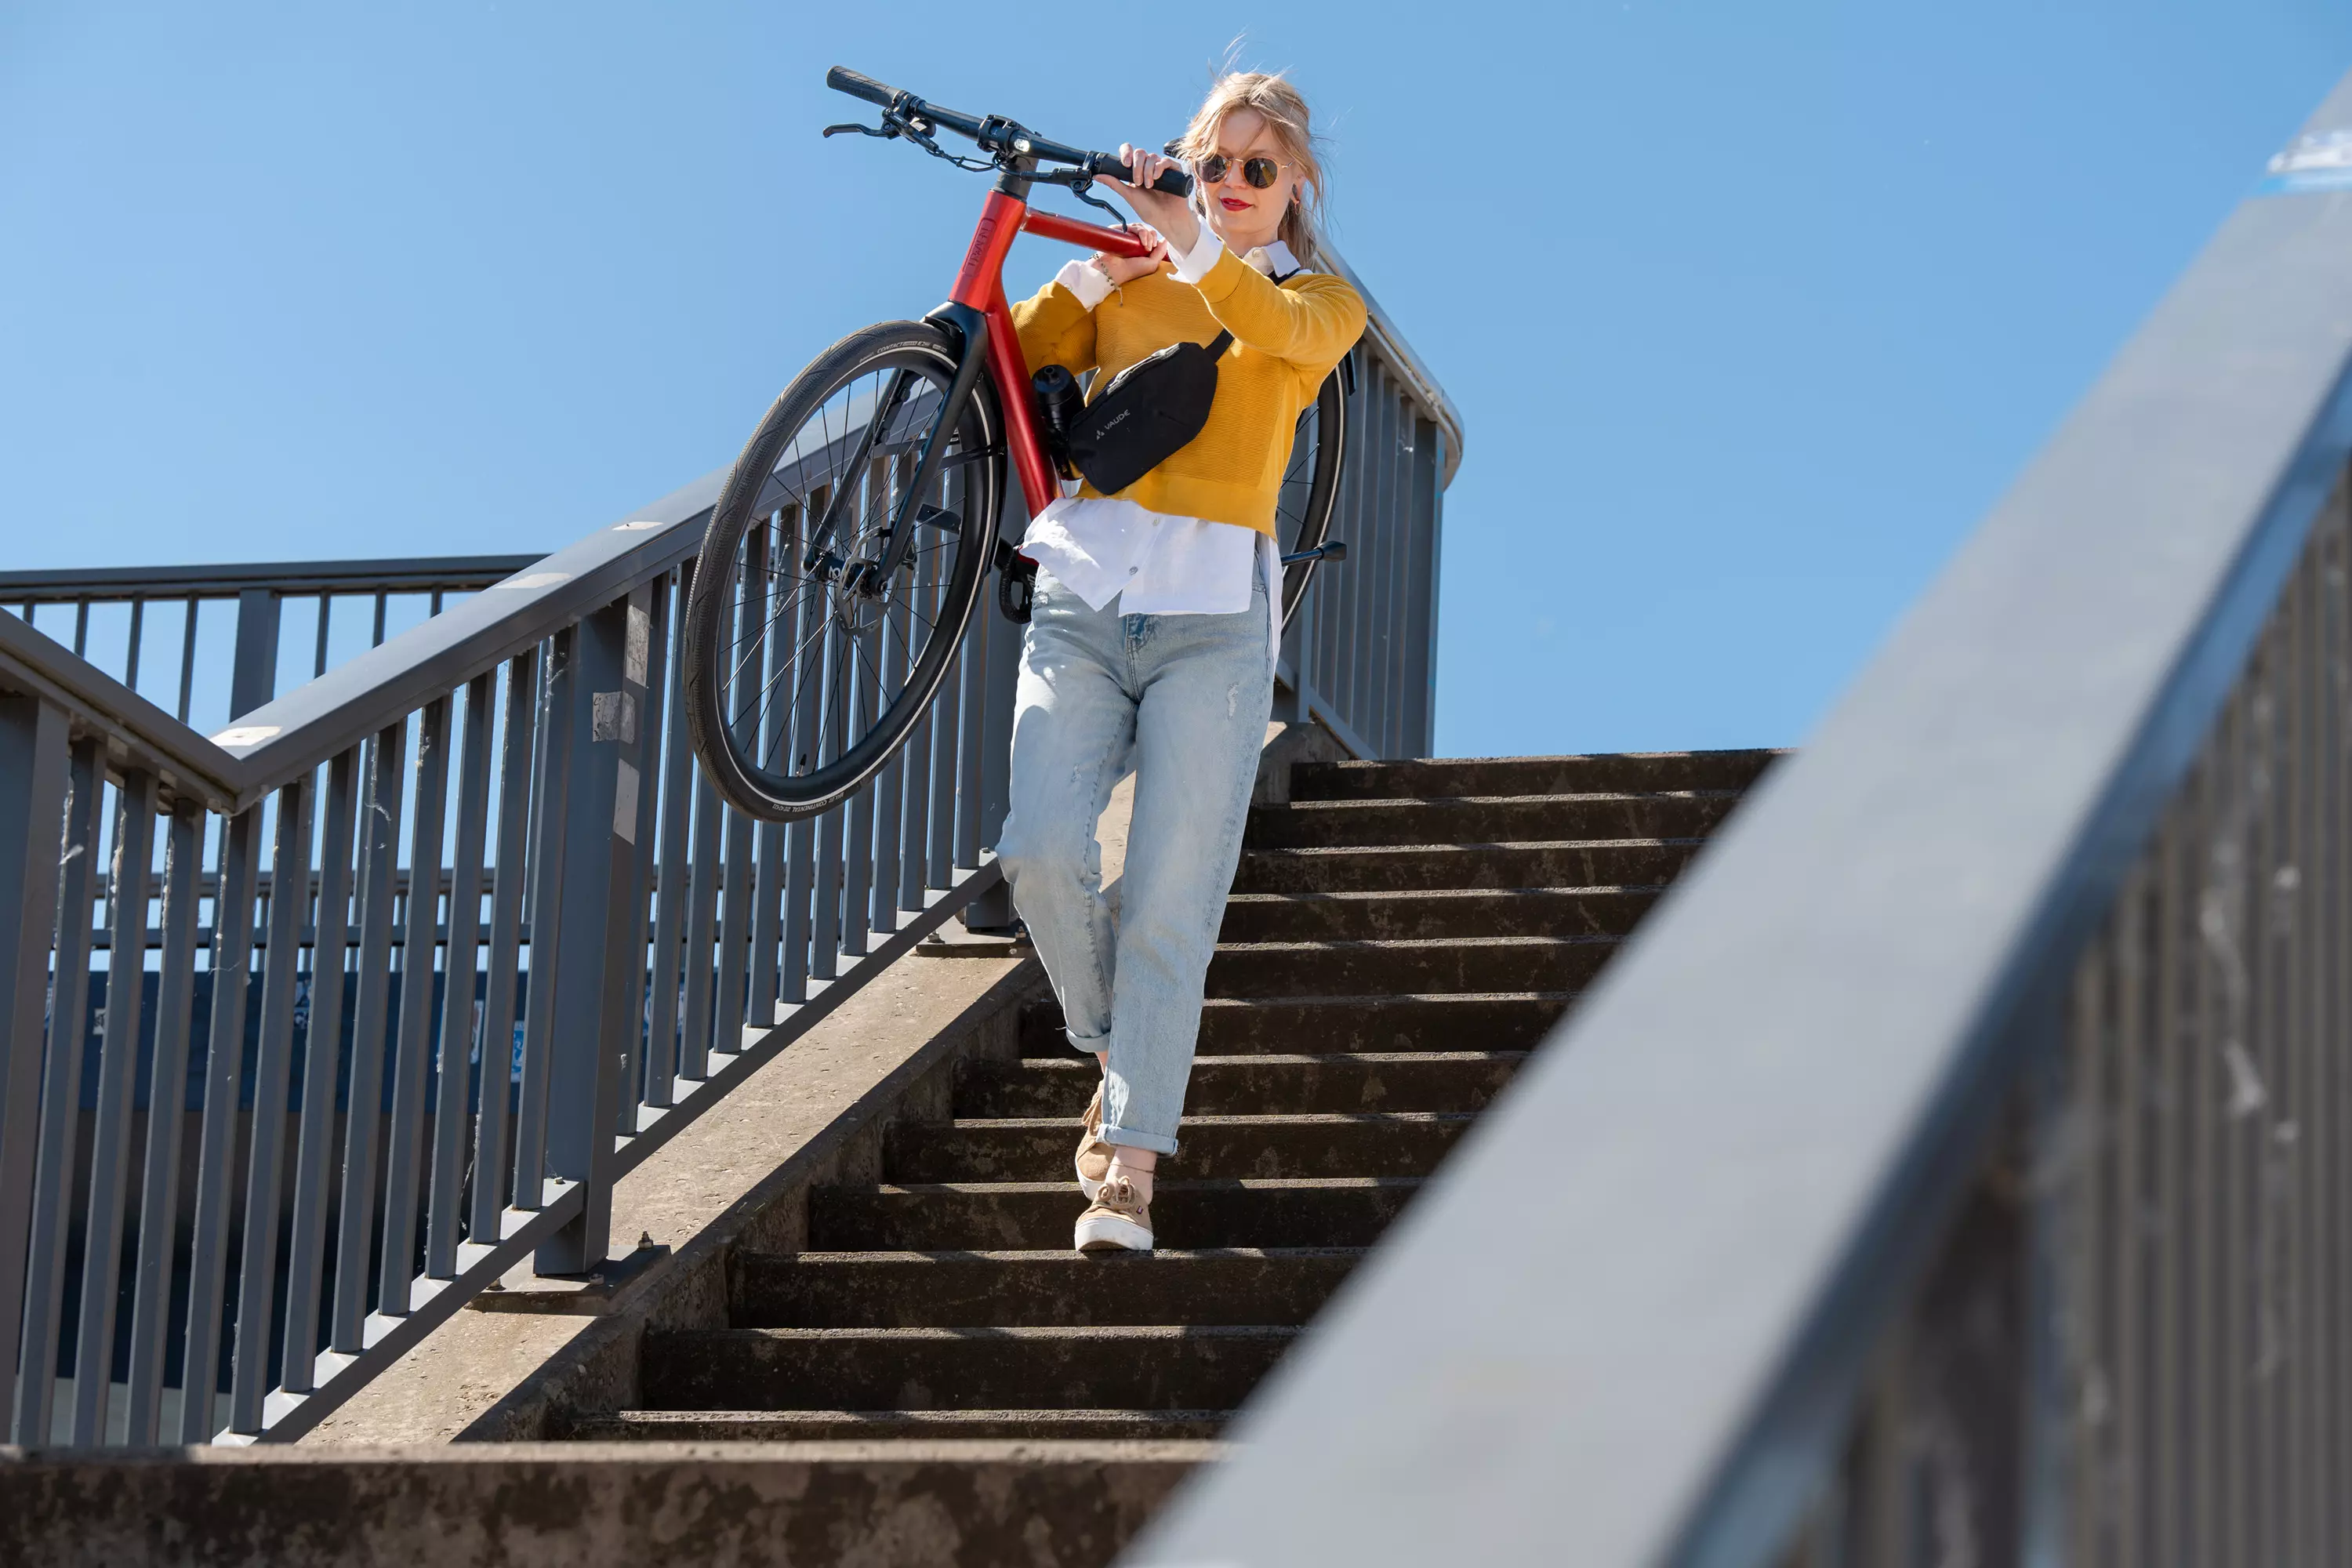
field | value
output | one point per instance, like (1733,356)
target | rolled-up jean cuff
(1093,1045)
(1119,1137)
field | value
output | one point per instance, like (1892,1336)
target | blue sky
(1751,310)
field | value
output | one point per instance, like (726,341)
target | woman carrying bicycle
(1156,622)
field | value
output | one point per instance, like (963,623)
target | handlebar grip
(1175,181)
(841,78)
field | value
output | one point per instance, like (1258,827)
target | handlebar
(995,135)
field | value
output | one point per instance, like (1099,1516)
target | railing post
(252,676)
(32,766)
(593,964)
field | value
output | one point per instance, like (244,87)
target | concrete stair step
(1434,912)
(1033,1288)
(1343,1211)
(1487,819)
(1565,863)
(1388,1143)
(1159,1367)
(1292,1026)
(1261,1084)
(1496,1021)
(1529,775)
(863,1425)
(1436,965)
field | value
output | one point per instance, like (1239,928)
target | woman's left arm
(1310,325)
(1313,322)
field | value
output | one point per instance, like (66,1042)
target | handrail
(297,731)
(137,733)
(1630,1323)
(1411,370)
(424,574)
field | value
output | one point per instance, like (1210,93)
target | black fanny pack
(1151,410)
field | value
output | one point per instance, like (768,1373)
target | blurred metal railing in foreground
(1959,1168)
(204,1191)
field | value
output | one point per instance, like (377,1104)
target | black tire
(782,748)
(1310,484)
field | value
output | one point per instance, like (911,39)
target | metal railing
(1360,656)
(105,616)
(1953,1170)
(200,1187)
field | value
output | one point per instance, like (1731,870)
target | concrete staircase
(1399,937)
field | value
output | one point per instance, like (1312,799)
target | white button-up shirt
(1154,564)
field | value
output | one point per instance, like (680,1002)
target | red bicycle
(848,547)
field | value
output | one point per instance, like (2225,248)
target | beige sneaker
(1117,1221)
(1093,1154)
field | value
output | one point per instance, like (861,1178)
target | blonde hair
(1284,112)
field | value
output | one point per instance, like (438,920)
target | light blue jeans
(1189,696)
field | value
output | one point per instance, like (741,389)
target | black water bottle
(1059,404)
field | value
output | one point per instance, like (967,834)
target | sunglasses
(1258,172)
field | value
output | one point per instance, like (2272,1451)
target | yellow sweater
(1286,338)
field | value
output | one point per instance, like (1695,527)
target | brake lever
(886,131)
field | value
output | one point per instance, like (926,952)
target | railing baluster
(889,808)
(915,765)
(670,897)
(972,661)
(861,693)
(40,1164)
(118,1072)
(453,1063)
(824,926)
(290,879)
(232,959)
(322,1042)
(167,1094)
(547,831)
(946,707)
(53,1179)
(326,609)
(187,658)
(1378,588)
(1418,700)
(800,839)
(507,884)
(769,658)
(403,1170)
(701,933)
(745,649)
(379,856)
(137,630)
(643,675)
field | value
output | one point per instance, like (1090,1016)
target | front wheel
(804,666)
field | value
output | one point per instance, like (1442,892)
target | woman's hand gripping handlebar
(904,114)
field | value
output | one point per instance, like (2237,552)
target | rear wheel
(1310,484)
(805,669)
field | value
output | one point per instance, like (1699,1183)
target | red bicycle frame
(980,287)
